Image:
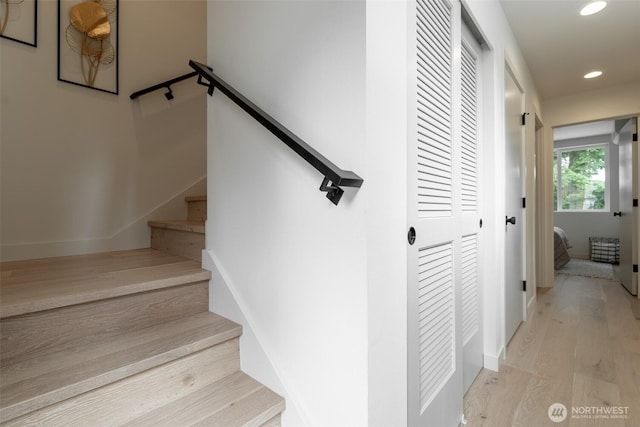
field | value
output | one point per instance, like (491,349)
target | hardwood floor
(580,348)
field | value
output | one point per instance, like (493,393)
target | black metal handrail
(164,85)
(334,177)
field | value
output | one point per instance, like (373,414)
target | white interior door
(434,342)
(443,216)
(514,179)
(625,180)
(471,197)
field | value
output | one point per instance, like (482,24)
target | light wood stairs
(124,339)
(182,237)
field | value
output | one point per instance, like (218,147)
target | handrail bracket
(209,84)
(334,193)
(164,85)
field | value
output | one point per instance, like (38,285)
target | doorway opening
(594,187)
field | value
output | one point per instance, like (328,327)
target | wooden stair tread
(14,272)
(114,275)
(28,385)
(253,410)
(195,199)
(236,400)
(179,225)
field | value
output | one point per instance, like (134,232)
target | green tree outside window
(582,177)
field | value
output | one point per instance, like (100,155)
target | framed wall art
(88,43)
(19,21)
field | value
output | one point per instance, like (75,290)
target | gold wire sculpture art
(5,10)
(88,35)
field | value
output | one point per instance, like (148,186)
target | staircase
(124,339)
(179,237)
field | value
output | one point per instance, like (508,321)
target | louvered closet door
(443,211)
(472,343)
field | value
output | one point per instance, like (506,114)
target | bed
(560,248)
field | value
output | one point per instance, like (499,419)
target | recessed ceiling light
(593,7)
(593,74)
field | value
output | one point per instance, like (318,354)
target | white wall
(610,103)
(295,263)
(580,226)
(386,190)
(82,170)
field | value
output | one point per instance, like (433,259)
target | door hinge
(635,137)
(524,286)
(524,202)
(635,203)
(524,118)
(635,268)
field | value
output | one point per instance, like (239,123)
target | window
(581,178)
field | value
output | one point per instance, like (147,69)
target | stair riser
(256,410)
(36,333)
(176,242)
(197,210)
(273,422)
(125,400)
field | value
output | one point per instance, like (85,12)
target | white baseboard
(531,305)
(492,362)
(134,235)
(255,356)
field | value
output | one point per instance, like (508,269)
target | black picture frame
(70,66)
(24,29)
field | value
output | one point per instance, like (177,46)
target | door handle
(511,220)
(411,236)
(619,213)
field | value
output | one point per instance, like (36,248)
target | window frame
(557,151)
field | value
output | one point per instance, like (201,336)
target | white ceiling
(560,46)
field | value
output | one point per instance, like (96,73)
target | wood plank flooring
(581,348)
